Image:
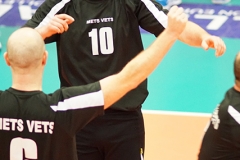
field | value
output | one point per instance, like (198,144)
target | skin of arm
(194,35)
(138,69)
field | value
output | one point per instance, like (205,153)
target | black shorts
(118,135)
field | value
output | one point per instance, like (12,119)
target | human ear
(7,59)
(45,56)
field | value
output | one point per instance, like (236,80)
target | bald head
(25,48)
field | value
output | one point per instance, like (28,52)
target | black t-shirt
(103,38)
(34,125)
(222,138)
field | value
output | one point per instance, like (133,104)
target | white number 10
(105,40)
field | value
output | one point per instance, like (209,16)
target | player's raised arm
(194,35)
(137,70)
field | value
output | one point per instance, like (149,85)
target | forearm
(138,69)
(193,34)
(144,63)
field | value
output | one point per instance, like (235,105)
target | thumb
(205,45)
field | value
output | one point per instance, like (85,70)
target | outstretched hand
(177,20)
(58,24)
(214,42)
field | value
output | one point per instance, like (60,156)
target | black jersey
(222,138)
(39,126)
(103,38)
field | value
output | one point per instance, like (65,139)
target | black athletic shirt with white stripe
(222,138)
(34,125)
(103,38)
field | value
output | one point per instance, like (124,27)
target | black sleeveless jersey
(37,126)
(103,38)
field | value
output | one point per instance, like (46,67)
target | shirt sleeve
(77,106)
(151,16)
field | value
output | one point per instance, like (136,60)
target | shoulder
(232,92)
(82,89)
(4,93)
(231,98)
(69,92)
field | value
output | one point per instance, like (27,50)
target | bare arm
(194,35)
(138,69)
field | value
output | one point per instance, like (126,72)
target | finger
(217,45)
(69,20)
(218,48)
(59,25)
(65,20)
(65,17)
(221,47)
(172,10)
(205,45)
(183,17)
(179,11)
(54,29)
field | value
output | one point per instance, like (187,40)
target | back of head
(237,69)
(25,48)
